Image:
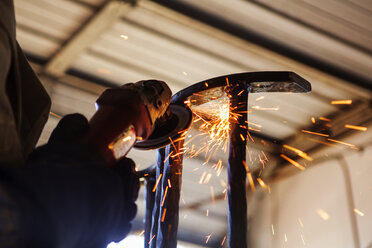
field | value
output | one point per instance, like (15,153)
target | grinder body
(125,115)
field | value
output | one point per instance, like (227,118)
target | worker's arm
(66,196)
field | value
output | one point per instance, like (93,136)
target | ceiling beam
(88,33)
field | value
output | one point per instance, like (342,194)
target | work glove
(125,168)
(67,132)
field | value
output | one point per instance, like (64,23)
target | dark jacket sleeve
(65,196)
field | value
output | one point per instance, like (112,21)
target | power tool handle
(118,109)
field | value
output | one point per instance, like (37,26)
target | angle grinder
(135,114)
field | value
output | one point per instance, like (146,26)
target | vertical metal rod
(236,171)
(150,200)
(157,201)
(169,208)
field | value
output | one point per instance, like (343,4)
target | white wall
(319,188)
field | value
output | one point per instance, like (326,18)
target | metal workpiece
(262,81)
(150,181)
(169,207)
(234,88)
(156,207)
(236,169)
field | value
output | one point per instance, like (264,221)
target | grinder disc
(179,120)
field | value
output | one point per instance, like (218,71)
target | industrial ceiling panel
(185,31)
(346,12)
(330,17)
(281,29)
(43,26)
(365,4)
(37,45)
(62,17)
(164,57)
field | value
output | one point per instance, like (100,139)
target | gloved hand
(125,168)
(99,176)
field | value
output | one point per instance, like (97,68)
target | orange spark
(165,195)
(151,239)
(251,182)
(299,152)
(163,216)
(292,162)
(359,128)
(157,182)
(55,115)
(214,118)
(322,142)
(206,84)
(245,166)
(324,119)
(166,159)
(169,183)
(320,134)
(141,233)
(341,102)
(313,120)
(262,183)
(343,143)
(253,129)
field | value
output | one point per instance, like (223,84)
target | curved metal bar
(263,81)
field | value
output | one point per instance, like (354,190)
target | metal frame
(164,202)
